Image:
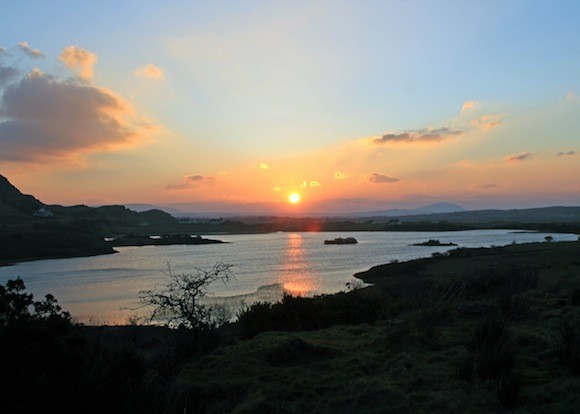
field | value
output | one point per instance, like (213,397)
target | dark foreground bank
(479,330)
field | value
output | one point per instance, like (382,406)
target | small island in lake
(433,242)
(164,240)
(340,240)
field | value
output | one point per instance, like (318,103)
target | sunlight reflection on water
(98,287)
(296,274)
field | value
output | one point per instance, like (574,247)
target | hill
(34,230)
(429,209)
(14,203)
(556,214)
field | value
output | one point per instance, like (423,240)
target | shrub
(492,346)
(297,351)
(575,296)
(295,313)
(569,349)
(179,304)
(513,307)
(490,333)
(508,389)
(465,371)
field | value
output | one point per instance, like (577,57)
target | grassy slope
(409,361)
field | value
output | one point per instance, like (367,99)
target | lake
(97,289)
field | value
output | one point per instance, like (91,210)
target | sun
(294,198)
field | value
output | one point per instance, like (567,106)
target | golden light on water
(296,275)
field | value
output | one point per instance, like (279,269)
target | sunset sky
(234,105)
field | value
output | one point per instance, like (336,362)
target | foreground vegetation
(479,330)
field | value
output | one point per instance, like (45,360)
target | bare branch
(178,304)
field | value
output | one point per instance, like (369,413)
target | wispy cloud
(306,184)
(150,71)
(487,122)
(33,53)
(486,186)
(80,60)
(191,181)
(427,135)
(518,157)
(377,178)
(563,154)
(340,175)
(263,166)
(468,105)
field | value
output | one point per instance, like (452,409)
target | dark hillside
(14,203)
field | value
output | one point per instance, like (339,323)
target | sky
(234,105)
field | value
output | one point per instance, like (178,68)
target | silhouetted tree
(180,305)
(17,307)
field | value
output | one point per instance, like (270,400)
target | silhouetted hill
(13,202)
(436,208)
(528,215)
(141,207)
(31,229)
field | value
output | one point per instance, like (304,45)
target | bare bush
(180,303)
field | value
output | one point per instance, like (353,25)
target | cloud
(377,178)
(570,97)
(263,166)
(44,118)
(6,74)
(276,188)
(487,186)
(304,184)
(562,154)
(80,60)
(150,71)
(2,50)
(468,105)
(36,73)
(191,181)
(33,53)
(340,175)
(486,122)
(518,157)
(426,135)
(315,184)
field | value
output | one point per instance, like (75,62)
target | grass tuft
(569,350)
(508,389)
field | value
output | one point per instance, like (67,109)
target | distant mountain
(437,208)
(556,214)
(141,207)
(14,203)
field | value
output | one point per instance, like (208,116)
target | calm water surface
(97,288)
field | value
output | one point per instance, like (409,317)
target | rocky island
(433,243)
(340,240)
(164,240)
